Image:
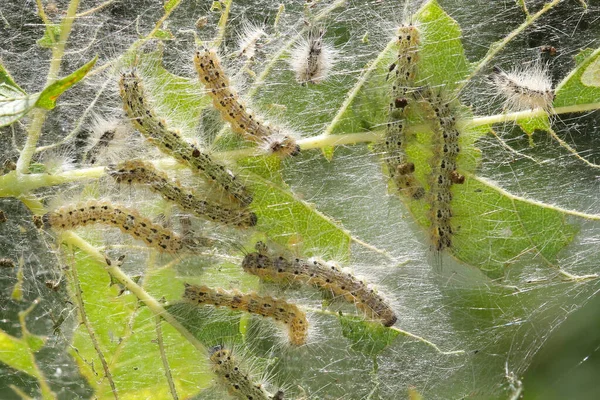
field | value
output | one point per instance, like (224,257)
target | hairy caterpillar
(279,310)
(527,88)
(329,277)
(137,171)
(170,142)
(127,220)
(400,169)
(247,42)
(312,59)
(444,168)
(243,121)
(237,380)
(6,263)
(108,140)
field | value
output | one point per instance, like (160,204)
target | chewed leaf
(591,75)
(47,99)
(582,85)
(474,235)
(368,337)
(541,123)
(17,353)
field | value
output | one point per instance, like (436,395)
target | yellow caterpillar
(277,309)
(243,121)
(329,277)
(127,220)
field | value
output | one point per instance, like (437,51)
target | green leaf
(368,337)
(163,34)
(288,220)
(442,57)
(126,334)
(582,85)
(171,4)
(47,99)
(50,34)
(17,353)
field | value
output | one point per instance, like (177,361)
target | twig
(97,8)
(163,357)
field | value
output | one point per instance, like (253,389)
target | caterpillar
(108,140)
(400,169)
(3,217)
(267,306)
(127,220)
(170,142)
(527,88)
(312,59)
(247,41)
(238,380)
(242,121)
(140,172)
(329,277)
(444,168)
(6,263)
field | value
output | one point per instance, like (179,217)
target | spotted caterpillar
(329,277)
(127,220)
(237,380)
(170,142)
(140,172)
(267,306)
(405,67)
(444,168)
(243,121)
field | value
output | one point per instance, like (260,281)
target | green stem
(45,20)
(39,115)
(222,26)
(14,185)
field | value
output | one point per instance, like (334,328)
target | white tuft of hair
(524,88)
(248,40)
(109,140)
(312,58)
